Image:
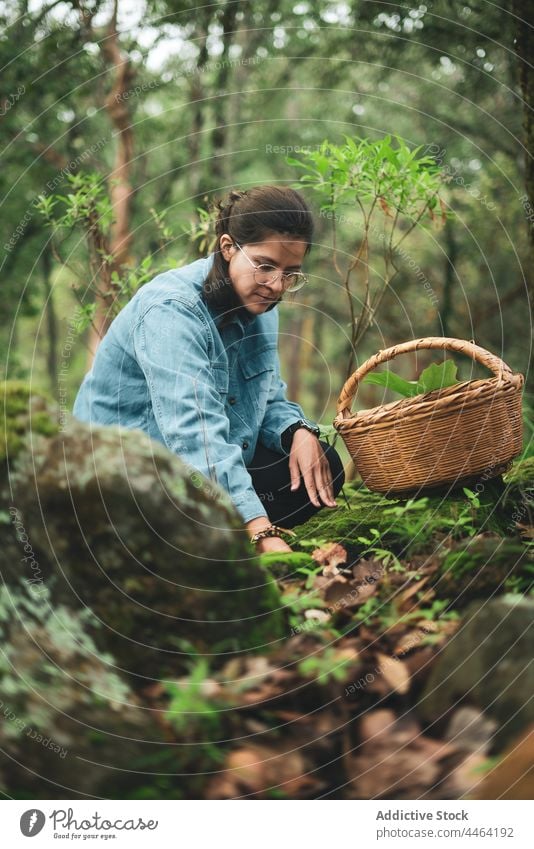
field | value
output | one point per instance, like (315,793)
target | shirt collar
(241,317)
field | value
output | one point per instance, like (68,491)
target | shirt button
(231,400)
(245,444)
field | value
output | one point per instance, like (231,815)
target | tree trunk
(219,162)
(447,302)
(120,188)
(197,107)
(51,322)
(319,385)
(524,11)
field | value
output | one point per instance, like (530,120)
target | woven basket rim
(424,405)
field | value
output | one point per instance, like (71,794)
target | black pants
(271,479)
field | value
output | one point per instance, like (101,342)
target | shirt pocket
(221,380)
(258,371)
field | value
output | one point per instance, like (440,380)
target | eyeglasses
(264,276)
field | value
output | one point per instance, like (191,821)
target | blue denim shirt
(208,394)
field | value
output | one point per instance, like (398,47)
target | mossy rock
(63,704)
(116,522)
(23,411)
(481,567)
(487,663)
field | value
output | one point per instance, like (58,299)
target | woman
(192,360)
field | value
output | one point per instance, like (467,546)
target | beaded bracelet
(271,531)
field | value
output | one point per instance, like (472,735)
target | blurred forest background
(121,121)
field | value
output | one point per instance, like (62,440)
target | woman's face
(284,252)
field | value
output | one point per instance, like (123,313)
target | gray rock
(488,663)
(70,727)
(111,520)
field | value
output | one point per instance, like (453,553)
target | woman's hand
(266,543)
(272,544)
(308,458)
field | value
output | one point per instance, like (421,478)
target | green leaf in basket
(437,376)
(390,380)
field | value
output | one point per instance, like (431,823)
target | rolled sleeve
(187,404)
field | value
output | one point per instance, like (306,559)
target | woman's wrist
(257,524)
(260,528)
(271,531)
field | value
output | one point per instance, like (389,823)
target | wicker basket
(448,436)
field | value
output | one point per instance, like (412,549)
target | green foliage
(437,376)
(296,602)
(528,429)
(386,557)
(383,178)
(325,667)
(191,711)
(431,378)
(87,207)
(283,563)
(364,171)
(200,231)
(369,610)
(523,582)
(381,612)
(87,203)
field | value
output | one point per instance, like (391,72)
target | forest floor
(352,704)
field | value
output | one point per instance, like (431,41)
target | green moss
(521,473)
(365,511)
(409,526)
(30,630)
(23,410)
(281,564)
(43,424)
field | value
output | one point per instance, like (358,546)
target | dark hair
(250,217)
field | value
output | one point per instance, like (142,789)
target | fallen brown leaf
(368,571)
(411,640)
(526,531)
(256,769)
(336,590)
(394,672)
(408,593)
(396,761)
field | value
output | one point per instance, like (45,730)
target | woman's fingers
(299,465)
(317,484)
(294,472)
(325,485)
(311,487)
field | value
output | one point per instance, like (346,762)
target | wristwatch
(287,435)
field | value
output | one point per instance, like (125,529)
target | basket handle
(480,355)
